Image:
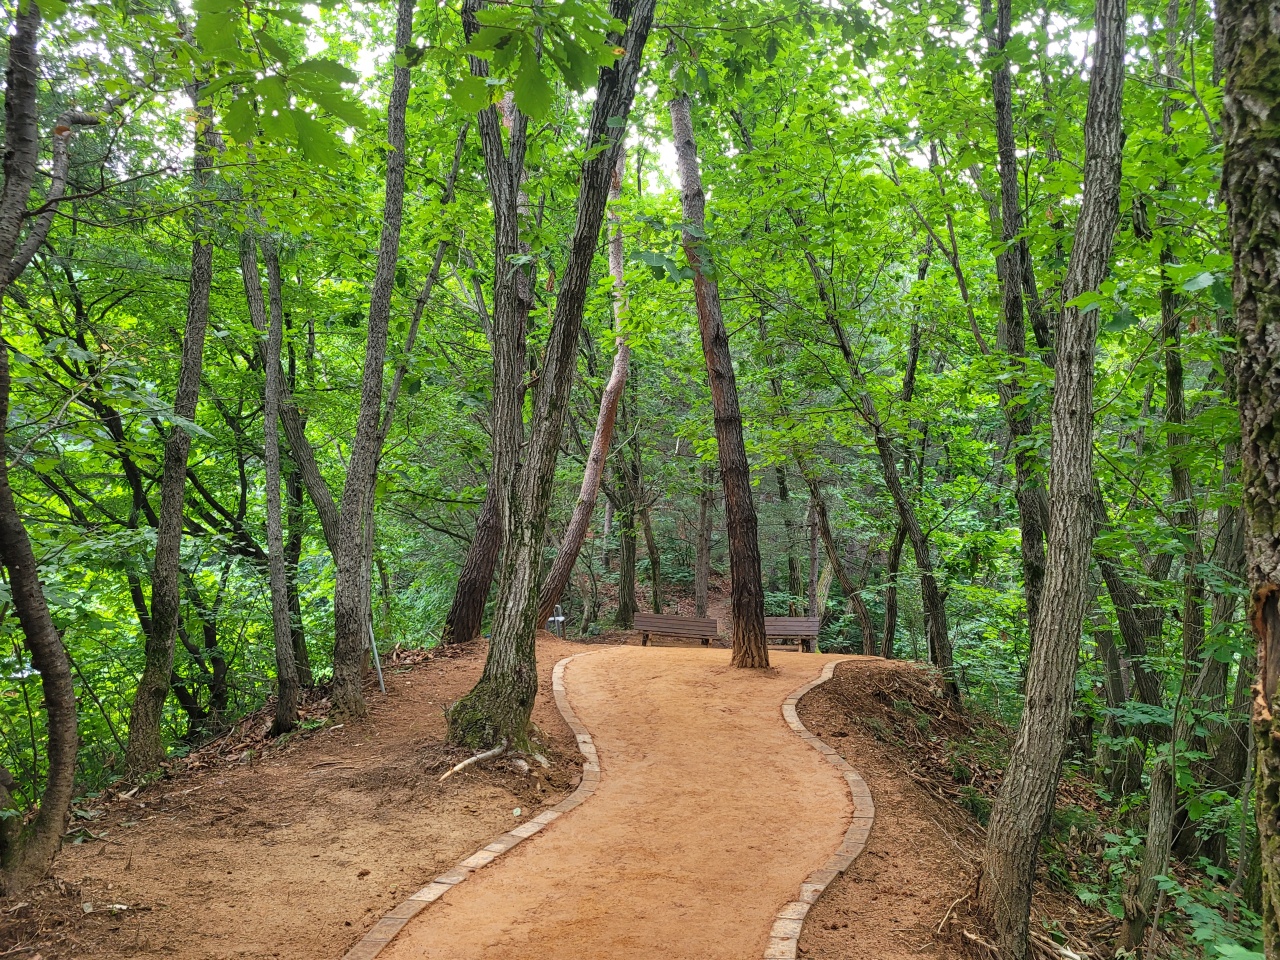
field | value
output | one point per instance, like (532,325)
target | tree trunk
(576,532)
(702,553)
(288,689)
(1251,181)
(498,708)
(27,850)
(1028,491)
(626,515)
(466,613)
(852,592)
(655,559)
(813,609)
(747,590)
(891,593)
(292,557)
(1025,802)
(145,748)
(795,580)
(351,583)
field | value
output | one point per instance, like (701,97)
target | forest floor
(254,848)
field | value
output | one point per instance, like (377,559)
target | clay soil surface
(922,852)
(292,851)
(710,814)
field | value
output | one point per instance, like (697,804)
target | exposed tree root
(486,755)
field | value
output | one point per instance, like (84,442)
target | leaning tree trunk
(1025,803)
(466,612)
(351,592)
(1250,31)
(27,850)
(145,748)
(288,688)
(746,588)
(576,532)
(498,707)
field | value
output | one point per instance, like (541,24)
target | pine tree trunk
(1025,802)
(498,708)
(655,560)
(576,532)
(747,590)
(1251,182)
(626,517)
(145,748)
(702,552)
(292,557)
(351,585)
(795,579)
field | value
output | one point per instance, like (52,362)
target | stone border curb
(784,938)
(395,919)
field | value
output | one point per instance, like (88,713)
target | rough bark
(145,749)
(497,709)
(1250,32)
(351,582)
(466,612)
(746,589)
(593,471)
(1025,802)
(852,591)
(795,580)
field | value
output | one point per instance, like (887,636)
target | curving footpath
(712,821)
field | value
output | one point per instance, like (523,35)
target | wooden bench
(697,628)
(804,630)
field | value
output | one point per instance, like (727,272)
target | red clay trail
(710,814)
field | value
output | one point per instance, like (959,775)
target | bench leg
(644,639)
(706,641)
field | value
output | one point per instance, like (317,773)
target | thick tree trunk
(702,551)
(350,558)
(1250,31)
(497,709)
(593,471)
(747,589)
(1022,809)
(145,748)
(288,688)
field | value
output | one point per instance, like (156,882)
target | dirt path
(710,815)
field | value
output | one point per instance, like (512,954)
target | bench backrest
(673,626)
(792,626)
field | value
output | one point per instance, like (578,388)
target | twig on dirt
(985,944)
(955,903)
(487,755)
(1055,948)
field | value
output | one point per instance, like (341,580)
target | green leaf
(327,69)
(534,95)
(216,34)
(315,140)
(342,107)
(1199,282)
(470,94)
(238,120)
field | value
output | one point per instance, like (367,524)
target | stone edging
(784,938)
(394,920)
